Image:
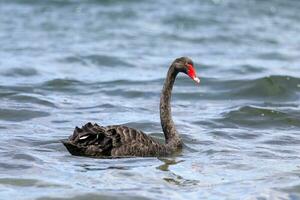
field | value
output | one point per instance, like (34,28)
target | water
(66,62)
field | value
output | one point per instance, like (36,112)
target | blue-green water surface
(66,62)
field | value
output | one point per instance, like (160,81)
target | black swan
(120,141)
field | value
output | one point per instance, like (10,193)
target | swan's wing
(99,141)
(129,135)
(136,143)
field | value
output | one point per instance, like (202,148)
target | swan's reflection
(173,178)
(167,162)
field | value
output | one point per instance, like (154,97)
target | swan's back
(112,141)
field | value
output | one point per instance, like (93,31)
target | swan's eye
(189,65)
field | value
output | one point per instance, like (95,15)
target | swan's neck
(168,126)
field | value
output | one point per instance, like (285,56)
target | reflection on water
(172,177)
(167,163)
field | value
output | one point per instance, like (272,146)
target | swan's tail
(91,140)
(73,148)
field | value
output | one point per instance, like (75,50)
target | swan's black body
(119,141)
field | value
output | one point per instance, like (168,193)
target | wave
(19,72)
(69,2)
(279,87)
(273,88)
(65,85)
(32,99)
(97,60)
(23,182)
(20,114)
(261,117)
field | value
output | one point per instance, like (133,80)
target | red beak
(192,73)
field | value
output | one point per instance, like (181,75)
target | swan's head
(186,65)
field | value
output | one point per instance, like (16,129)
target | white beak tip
(196,79)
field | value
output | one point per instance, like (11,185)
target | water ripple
(26,72)
(97,60)
(254,116)
(20,114)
